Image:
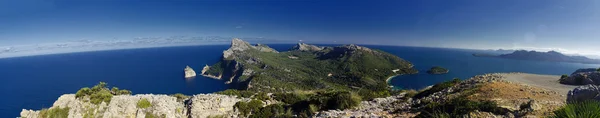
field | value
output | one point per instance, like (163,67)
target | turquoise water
(35,82)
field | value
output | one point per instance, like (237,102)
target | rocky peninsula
(307,67)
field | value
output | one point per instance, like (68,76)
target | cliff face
(309,67)
(125,106)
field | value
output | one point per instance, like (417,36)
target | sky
(570,26)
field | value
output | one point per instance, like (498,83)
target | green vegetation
(234,92)
(150,115)
(100,93)
(564,76)
(180,97)
(246,108)
(216,116)
(54,113)
(598,69)
(437,88)
(458,107)
(346,68)
(586,109)
(143,103)
(437,70)
(273,111)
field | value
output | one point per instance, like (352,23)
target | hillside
(543,56)
(308,67)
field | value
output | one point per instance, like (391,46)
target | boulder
(582,77)
(583,93)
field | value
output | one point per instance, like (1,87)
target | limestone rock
(189,72)
(583,93)
(204,105)
(306,47)
(125,106)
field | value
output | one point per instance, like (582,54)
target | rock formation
(306,47)
(189,72)
(583,93)
(582,77)
(124,106)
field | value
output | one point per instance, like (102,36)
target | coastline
(390,78)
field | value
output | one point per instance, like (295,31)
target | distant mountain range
(542,56)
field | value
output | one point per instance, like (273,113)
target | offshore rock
(189,72)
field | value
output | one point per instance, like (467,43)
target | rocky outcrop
(125,106)
(238,45)
(306,47)
(189,72)
(204,105)
(582,77)
(583,93)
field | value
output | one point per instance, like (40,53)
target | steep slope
(307,67)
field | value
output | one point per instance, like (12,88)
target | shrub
(262,96)
(564,76)
(83,92)
(343,100)
(234,92)
(458,107)
(598,69)
(289,98)
(585,109)
(273,111)
(100,93)
(246,108)
(101,96)
(143,103)
(54,113)
(180,97)
(437,88)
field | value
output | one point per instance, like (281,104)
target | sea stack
(189,72)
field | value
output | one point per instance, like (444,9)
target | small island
(438,70)
(189,72)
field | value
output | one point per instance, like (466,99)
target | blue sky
(564,25)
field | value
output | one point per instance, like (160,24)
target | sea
(35,82)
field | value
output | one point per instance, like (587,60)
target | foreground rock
(583,93)
(583,77)
(125,106)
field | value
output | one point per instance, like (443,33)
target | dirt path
(549,82)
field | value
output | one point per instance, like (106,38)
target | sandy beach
(549,82)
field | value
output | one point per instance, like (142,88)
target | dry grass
(511,96)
